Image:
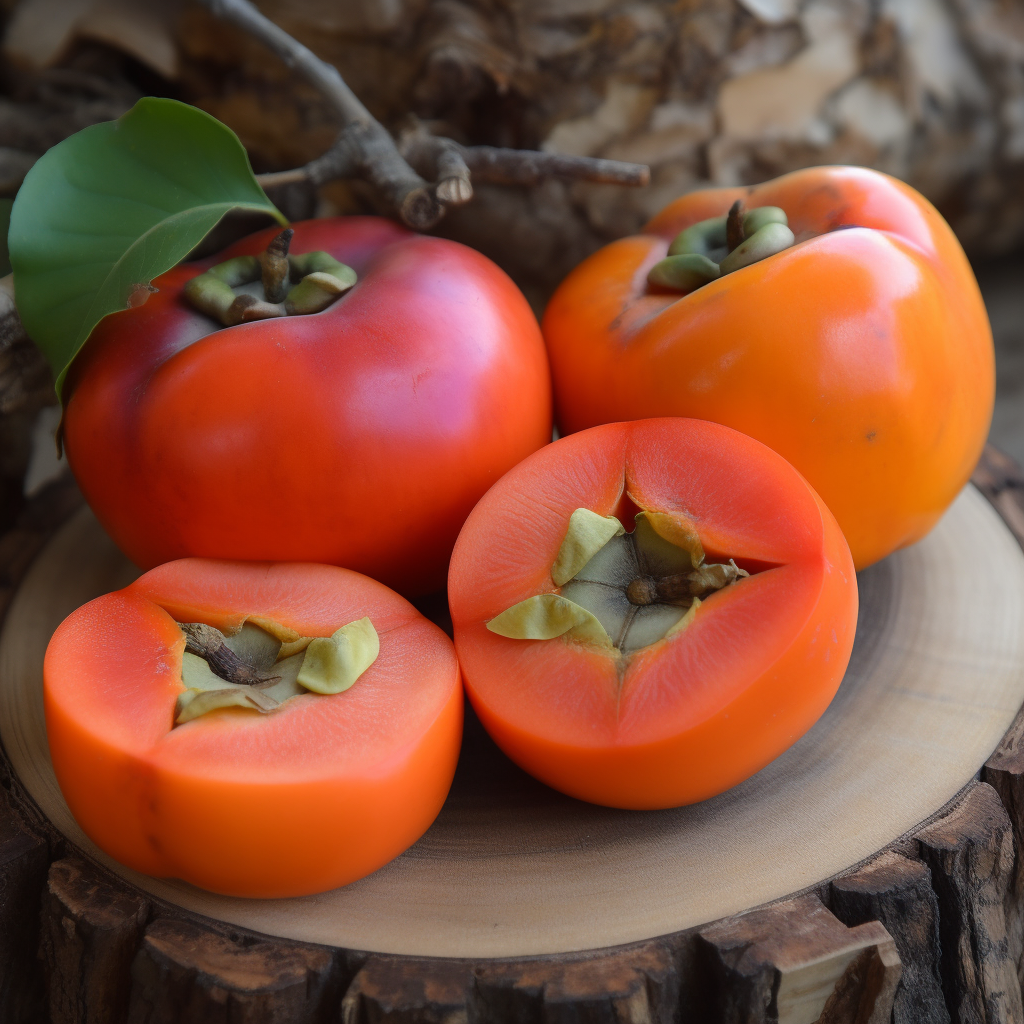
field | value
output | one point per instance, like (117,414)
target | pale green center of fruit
(620,591)
(260,669)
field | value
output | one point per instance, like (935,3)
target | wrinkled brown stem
(274,266)
(734,225)
(208,642)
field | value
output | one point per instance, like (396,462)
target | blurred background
(707,92)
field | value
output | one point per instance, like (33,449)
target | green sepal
(757,218)
(703,238)
(332,664)
(547,616)
(112,207)
(684,273)
(588,532)
(767,241)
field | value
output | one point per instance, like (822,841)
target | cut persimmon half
(648,613)
(255,729)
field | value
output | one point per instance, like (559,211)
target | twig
(365,149)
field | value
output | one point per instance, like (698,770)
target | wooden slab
(512,868)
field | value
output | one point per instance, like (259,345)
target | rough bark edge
(959,871)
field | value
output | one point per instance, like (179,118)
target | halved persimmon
(661,666)
(255,729)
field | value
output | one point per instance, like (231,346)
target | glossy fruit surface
(314,795)
(862,354)
(358,436)
(691,715)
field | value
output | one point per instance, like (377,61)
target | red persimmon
(360,436)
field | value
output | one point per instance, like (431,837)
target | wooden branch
(364,148)
(518,166)
(364,145)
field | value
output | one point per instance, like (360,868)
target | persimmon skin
(863,356)
(360,436)
(691,716)
(311,797)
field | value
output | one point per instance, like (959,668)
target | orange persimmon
(862,353)
(669,700)
(315,794)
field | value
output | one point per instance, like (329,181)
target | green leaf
(110,208)
(5,224)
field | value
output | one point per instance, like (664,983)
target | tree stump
(926,927)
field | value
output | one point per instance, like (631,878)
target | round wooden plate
(512,868)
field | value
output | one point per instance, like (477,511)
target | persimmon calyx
(248,288)
(242,676)
(707,250)
(620,591)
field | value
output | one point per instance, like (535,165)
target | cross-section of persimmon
(255,729)
(656,667)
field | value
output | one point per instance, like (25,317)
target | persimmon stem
(734,225)
(208,642)
(274,266)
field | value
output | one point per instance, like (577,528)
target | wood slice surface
(513,869)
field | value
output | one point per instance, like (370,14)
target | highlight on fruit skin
(647,613)
(261,730)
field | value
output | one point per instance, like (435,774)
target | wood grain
(896,891)
(91,928)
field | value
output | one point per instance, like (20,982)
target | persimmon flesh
(311,796)
(862,353)
(698,700)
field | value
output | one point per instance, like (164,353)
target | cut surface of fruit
(306,796)
(728,613)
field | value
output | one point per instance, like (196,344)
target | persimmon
(837,320)
(342,392)
(656,667)
(254,729)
